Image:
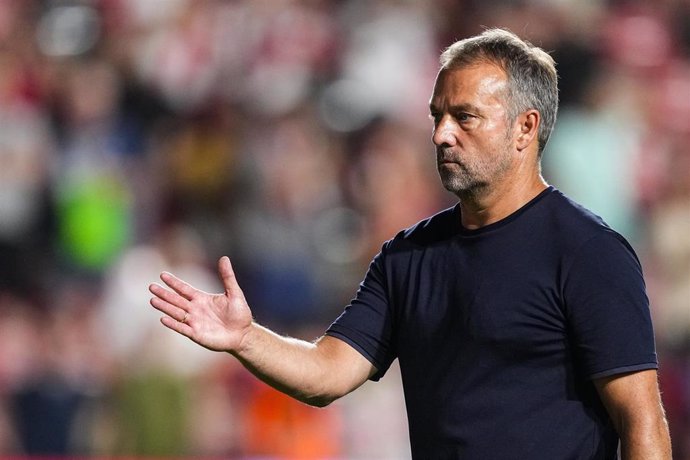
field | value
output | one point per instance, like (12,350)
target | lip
(445,157)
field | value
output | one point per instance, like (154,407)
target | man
(519,319)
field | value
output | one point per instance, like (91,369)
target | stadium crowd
(292,135)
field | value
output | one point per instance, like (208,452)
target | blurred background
(145,135)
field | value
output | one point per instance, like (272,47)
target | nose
(444,132)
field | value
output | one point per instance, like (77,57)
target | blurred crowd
(292,135)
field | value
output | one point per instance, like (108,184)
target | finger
(177,326)
(227,275)
(172,311)
(179,286)
(168,296)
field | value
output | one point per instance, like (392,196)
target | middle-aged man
(520,320)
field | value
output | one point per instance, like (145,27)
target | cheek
(499,135)
(495,127)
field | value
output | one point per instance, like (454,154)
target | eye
(435,117)
(463,117)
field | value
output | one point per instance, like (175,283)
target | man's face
(472,133)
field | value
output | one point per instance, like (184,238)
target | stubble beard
(470,181)
(458,180)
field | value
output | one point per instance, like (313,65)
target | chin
(452,182)
(462,188)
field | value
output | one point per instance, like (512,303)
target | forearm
(634,404)
(645,439)
(306,371)
(315,373)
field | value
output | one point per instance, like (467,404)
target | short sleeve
(607,308)
(366,323)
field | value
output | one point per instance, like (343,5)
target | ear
(528,127)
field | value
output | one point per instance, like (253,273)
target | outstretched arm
(316,373)
(634,404)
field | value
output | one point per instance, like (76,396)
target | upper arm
(634,404)
(607,308)
(347,369)
(367,323)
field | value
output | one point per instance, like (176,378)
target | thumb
(227,275)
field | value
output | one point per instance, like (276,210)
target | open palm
(218,322)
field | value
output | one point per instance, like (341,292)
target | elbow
(324,394)
(319,400)
(322,397)
(314,399)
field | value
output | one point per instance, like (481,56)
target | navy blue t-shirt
(499,331)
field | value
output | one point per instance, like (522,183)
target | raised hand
(218,322)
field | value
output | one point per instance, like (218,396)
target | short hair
(531,72)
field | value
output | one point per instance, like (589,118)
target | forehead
(477,84)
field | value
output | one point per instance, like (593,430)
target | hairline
(474,61)
(477,50)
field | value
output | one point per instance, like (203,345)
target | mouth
(445,158)
(450,165)
(447,161)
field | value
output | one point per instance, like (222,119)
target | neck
(484,207)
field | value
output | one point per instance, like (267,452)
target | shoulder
(588,242)
(430,231)
(576,225)
(566,211)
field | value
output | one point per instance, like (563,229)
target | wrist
(246,339)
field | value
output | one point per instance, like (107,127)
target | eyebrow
(466,107)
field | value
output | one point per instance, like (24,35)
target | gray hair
(531,71)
